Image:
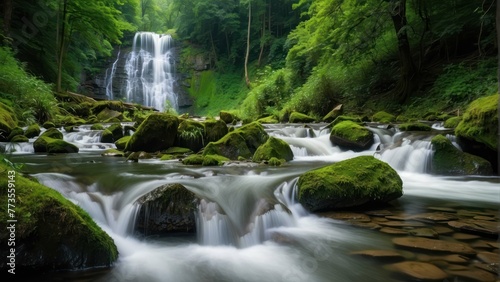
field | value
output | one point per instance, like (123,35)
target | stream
(242,243)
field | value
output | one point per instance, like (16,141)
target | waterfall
(148,76)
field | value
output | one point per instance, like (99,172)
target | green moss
(97,126)
(402,118)
(273,148)
(156,133)
(383,117)
(190,134)
(51,145)
(178,151)
(16,131)
(122,142)
(113,153)
(167,157)
(68,120)
(452,122)
(53,133)
(480,122)
(19,139)
(268,120)
(351,135)
(8,119)
(349,183)
(227,117)
(296,117)
(333,114)
(32,131)
(112,134)
(213,160)
(48,124)
(340,119)
(415,126)
(193,160)
(99,106)
(69,129)
(448,160)
(275,162)
(61,234)
(214,130)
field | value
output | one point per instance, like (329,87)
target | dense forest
(266,57)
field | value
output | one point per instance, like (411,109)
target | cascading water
(150,73)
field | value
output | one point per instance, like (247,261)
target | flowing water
(249,224)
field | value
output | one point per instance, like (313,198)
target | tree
(247,54)
(7,17)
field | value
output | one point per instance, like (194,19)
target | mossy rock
(340,119)
(122,142)
(156,133)
(452,122)
(69,129)
(53,133)
(112,134)
(448,160)
(214,130)
(190,134)
(167,157)
(117,106)
(243,142)
(193,160)
(204,160)
(107,114)
(46,144)
(136,156)
(140,116)
(69,120)
(33,131)
(383,117)
(178,151)
(275,162)
(8,121)
(48,125)
(53,233)
(19,139)
(402,118)
(113,153)
(227,117)
(415,126)
(167,209)
(97,126)
(16,131)
(480,122)
(333,114)
(351,136)
(268,120)
(273,148)
(296,117)
(350,183)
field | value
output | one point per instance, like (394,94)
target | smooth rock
(419,270)
(434,245)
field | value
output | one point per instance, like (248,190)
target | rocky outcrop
(167,209)
(296,117)
(351,136)
(112,134)
(448,160)
(214,130)
(190,134)
(227,117)
(333,114)
(54,234)
(51,142)
(273,148)
(350,183)
(156,133)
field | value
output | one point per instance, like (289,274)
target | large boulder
(227,117)
(351,136)
(414,126)
(8,121)
(296,117)
(349,183)
(167,209)
(33,131)
(52,233)
(448,160)
(51,142)
(273,147)
(383,117)
(214,130)
(112,133)
(156,133)
(190,134)
(242,142)
(333,114)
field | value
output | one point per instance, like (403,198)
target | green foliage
(416,126)
(383,117)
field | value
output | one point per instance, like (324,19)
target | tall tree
(247,54)
(7,17)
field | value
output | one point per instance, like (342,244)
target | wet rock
(482,227)
(167,209)
(419,270)
(333,114)
(490,267)
(382,255)
(434,245)
(424,232)
(348,216)
(296,117)
(351,136)
(442,230)
(214,130)
(402,224)
(273,147)
(436,216)
(474,274)
(227,117)
(379,213)
(463,236)
(442,209)
(449,258)
(393,231)
(156,133)
(489,257)
(190,134)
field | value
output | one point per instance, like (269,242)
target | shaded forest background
(408,57)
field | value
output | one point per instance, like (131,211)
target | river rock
(482,227)
(489,257)
(214,130)
(419,270)
(51,142)
(296,117)
(383,255)
(333,114)
(156,133)
(273,147)
(434,216)
(349,183)
(449,258)
(474,274)
(448,160)
(242,142)
(424,232)
(167,209)
(8,121)
(33,131)
(351,136)
(112,134)
(54,234)
(190,134)
(393,231)
(227,117)
(434,245)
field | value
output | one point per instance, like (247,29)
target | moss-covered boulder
(97,126)
(268,120)
(333,114)
(167,209)
(156,133)
(214,130)
(48,125)
(273,148)
(296,117)
(16,131)
(354,182)
(113,153)
(107,114)
(8,121)
(53,133)
(122,142)
(383,117)
(415,126)
(351,136)
(99,106)
(19,139)
(448,160)
(452,122)
(340,119)
(204,160)
(480,122)
(32,131)
(227,117)
(52,233)
(243,142)
(46,144)
(112,133)
(190,134)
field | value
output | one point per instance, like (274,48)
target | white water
(150,71)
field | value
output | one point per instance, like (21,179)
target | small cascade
(412,156)
(150,71)
(110,74)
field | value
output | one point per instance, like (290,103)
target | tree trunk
(7,17)
(262,38)
(62,45)
(498,78)
(247,79)
(407,82)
